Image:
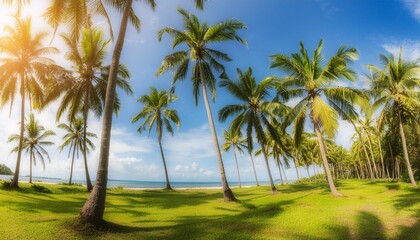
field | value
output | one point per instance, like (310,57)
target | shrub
(40,188)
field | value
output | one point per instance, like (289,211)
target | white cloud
(411,48)
(414,7)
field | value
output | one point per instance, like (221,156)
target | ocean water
(136,184)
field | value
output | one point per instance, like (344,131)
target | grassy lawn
(368,211)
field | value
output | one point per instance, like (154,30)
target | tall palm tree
(197,36)
(156,111)
(33,143)
(255,111)
(25,68)
(94,207)
(250,150)
(74,138)
(395,87)
(85,89)
(312,81)
(233,140)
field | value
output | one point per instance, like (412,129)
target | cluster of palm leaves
(260,117)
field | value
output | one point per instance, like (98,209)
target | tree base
(337,194)
(273,190)
(228,196)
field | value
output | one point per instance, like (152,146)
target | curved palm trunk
(253,167)
(168,186)
(284,172)
(273,188)
(364,149)
(85,116)
(30,166)
(237,167)
(93,210)
(227,192)
(296,168)
(325,161)
(15,182)
(72,162)
(375,169)
(281,175)
(382,159)
(407,160)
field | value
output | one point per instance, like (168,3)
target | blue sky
(273,26)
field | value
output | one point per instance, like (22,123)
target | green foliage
(5,170)
(6,184)
(318,178)
(40,188)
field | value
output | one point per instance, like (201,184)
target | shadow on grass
(244,224)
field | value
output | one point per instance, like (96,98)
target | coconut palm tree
(395,87)
(156,112)
(33,143)
(233,140)
(255,111)
(251,154)
(197,36)
(25,68)
(74,139)
(85,89)
(19,4)
(94,207)
(309,79)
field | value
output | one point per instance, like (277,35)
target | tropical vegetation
(289,119)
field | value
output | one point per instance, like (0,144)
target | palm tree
(85,90)
(19,4)
(255,111)
(156,112)
(33,142)
(24,69)
(75,139)
(94,207)
(250,153)
(309,79)
(197,37)
(233,140)
(395,87)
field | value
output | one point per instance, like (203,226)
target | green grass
(369,210)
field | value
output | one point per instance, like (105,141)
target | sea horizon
(114,183)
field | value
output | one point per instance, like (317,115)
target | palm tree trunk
(227,192)
(281,175)
(284,172)
(307,171)
(168,186)
(407,160)
(85,116)
(325,161)
(253,167)
(273,188)
(296,168)
(375,169)
(72,162)
(30,166)
(15,182)
(382,159)
(237,166)
(93,210)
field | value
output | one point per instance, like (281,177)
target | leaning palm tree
(233,140)
(33,143)
(309,79)
(94,207)
(197,36)
(156,111)
(25,68)
(255,112)
(396,88)
(74,138)
(85,89)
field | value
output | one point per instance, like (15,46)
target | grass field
(369,210)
